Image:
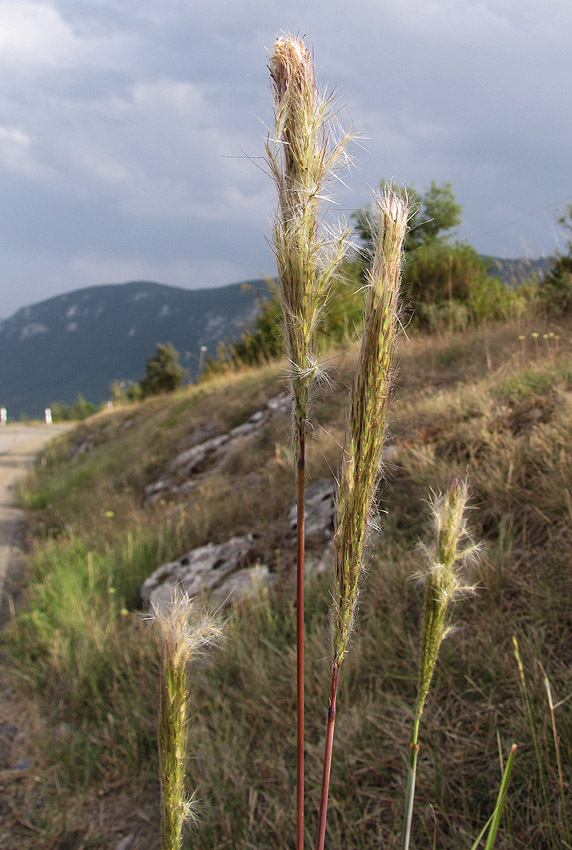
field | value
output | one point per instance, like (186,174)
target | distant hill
(515,271)
(82,341)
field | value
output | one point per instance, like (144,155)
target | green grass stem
(491,827)
(535,743)
(557,753)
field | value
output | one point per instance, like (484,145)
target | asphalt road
(19,446)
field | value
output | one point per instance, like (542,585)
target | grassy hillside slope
(494,405)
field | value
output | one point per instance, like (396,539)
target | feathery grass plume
(444,583)
(363,447)
(443,579)
(183,634)
(302,158)
(365,429)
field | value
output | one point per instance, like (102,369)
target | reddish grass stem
(327,759)
(300,639)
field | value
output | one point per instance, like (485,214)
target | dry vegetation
(82,668)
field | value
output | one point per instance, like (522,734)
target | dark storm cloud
(129,139)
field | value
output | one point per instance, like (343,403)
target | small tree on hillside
(163,373)
(555,291)
(124,390)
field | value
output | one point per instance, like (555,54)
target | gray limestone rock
(325,562)
(242,584)
(280,403)
(187,461)
(319,509)
(24,763)
(210,452)
(205,568)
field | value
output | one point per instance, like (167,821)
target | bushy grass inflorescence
(367,416)
(444,582)
(302,158)
(363,446)
(184,633)
(443,577)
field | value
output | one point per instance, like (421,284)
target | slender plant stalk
(328,751)
(363,447)
(300,510)
(490,829)
(183,634)
(556,739)
(501,798)
(444,583)
(411,779)
(538,754)
(301,158)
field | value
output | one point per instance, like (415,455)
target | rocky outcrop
(232,570)
(228,571)
(189,466)
(319,519)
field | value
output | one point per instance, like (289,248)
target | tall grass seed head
(367,416)
(301,158)
(444,576)
(292,70)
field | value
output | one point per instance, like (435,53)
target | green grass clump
(537,381)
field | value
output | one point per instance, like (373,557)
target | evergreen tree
(163,373)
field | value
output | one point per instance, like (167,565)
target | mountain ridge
(83,340)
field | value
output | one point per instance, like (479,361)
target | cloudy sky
(131,132)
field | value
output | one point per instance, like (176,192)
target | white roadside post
(3,416)
(48,415)
(203,351)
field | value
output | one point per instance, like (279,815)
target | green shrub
(443,316)
(491,299)
(80,409)
(439,272)
(556,289)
